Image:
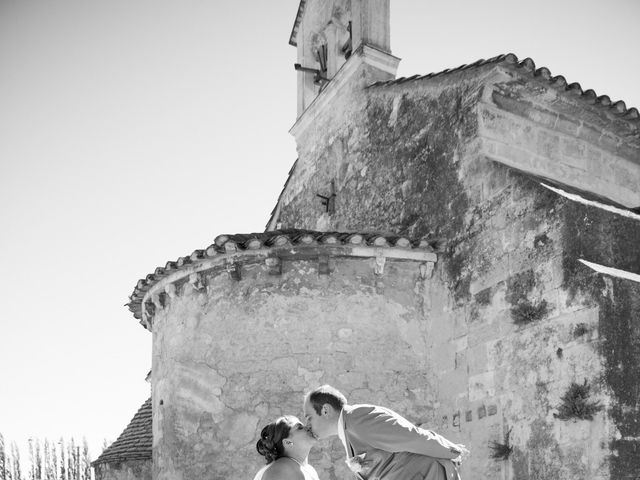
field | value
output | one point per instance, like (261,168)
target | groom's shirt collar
(341,434)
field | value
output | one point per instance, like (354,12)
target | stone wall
(608,239)
(512,319)
(393,156)
(229,356)
(129,470)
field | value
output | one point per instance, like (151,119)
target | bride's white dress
(260,473)
(307,470)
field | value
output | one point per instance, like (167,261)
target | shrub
(576,404)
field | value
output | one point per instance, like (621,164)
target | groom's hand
(464,453)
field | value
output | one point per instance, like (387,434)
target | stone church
(462,247)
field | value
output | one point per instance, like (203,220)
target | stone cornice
(229,253)
(535,128)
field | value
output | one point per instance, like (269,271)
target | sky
(133,132)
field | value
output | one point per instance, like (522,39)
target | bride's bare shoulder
(283,469)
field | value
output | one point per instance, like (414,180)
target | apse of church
(484,280)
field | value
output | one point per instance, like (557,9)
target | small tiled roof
(527,66)
(134,443)
(223,244)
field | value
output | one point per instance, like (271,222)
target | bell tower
(336,40)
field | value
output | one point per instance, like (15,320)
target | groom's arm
(386,430)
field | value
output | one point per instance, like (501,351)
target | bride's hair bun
(270,443)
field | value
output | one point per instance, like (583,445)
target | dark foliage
(501,451)
(526,312)
(576,404)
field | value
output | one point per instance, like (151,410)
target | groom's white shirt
(341,435)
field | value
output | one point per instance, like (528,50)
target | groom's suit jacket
(392,448)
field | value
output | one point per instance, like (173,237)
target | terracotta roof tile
(135,442)
(528,66)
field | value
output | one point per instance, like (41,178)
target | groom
(380,443)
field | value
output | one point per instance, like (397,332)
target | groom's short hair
(326,394)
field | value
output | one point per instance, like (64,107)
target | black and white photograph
(320,240)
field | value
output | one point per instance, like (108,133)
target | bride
(285,444)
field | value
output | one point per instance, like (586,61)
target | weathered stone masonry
(462,158)
(243,328)
(488,327)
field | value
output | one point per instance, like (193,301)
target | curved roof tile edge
(272,239)
(558,82)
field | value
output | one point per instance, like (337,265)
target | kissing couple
(379,443)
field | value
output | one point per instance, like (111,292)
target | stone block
(609,141)
(482,412)
(444,358)
(594,162)
(477,359)
(574,149)
(496,180)
(589,133)
(481,386)
(543,274)
(460,344)
(460,325)
(626,151)
(483,333)
(557,272)
(496,272)
(547,144)
(490,147)
(567,125)
(543,117)
(514,156)
(524,108)
(452,385)
(626,177)
(499,220)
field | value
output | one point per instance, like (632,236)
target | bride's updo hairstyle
(270,443)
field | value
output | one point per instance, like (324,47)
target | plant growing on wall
(523,310)
(501,451)
(576,403)
(526,312)
(580,330)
